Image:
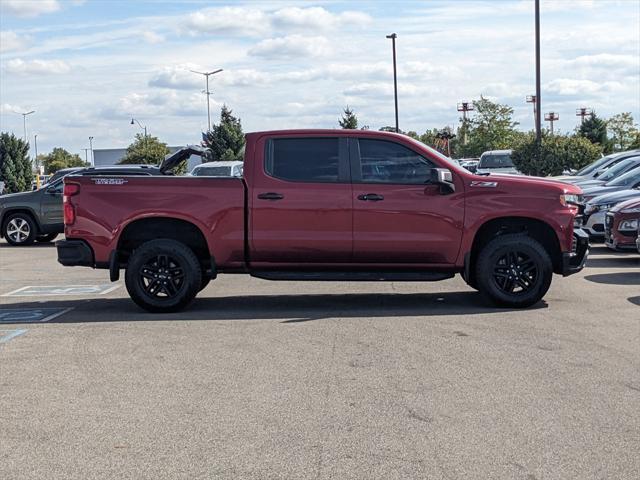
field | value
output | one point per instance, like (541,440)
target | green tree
(145,150)
(226,140)
(622,131)
(15,165)
(349,120)
(59,158)
(490,128)
(557,153)
(594,129)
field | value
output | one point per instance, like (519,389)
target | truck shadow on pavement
(286,308)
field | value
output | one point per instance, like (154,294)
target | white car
(496,161)
(218,169)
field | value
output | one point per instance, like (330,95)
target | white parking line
(11,335)
(55,290)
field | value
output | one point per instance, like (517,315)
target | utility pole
(537,99)
(583,112)
(532,99)
(465,107)
(93,163)
(86,160)
(393,37)
(35,146)
(208,93)
(551,117)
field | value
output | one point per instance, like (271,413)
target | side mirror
(52,191)
(444,178)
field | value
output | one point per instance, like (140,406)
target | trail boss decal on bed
(477,183)
(109,181)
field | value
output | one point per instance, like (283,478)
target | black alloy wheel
(515,272)
(161,276)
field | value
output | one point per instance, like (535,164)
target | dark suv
(37,215)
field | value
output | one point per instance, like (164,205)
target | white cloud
(10,40)
(36,67)
(317,18)
(292,46)
(231,20)
(29,8)
(177,77)
(152,37)
(570,86)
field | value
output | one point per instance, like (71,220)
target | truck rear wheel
(163,276)
(513,270)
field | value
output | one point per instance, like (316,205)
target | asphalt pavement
(310,380)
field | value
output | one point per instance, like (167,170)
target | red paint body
(615,238)
(320,224)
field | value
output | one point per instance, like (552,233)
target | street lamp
(538,89)
(208,93)
(551,117)
(35,146)
(465,107)
(24,122)
(532,99)
(133,122)
(393,37)
(93,162)
(583,112)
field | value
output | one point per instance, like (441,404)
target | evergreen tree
(145,150)
(349,120)
(15,165)
(226,140)
(58,159)
(594,129)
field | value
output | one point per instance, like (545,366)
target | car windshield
(496,160)
(626,180)
(619,169)
(212,172)
(592,167)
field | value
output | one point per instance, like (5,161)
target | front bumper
(72,253)
(573,261)
(594,224)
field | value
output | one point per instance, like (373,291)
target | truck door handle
(371,197)
(270,196)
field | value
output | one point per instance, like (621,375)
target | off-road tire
(163,276)
(513,270)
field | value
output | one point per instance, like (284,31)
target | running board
(354,276)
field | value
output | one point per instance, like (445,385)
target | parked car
(611,174)
(596,209)
(638,240)
(218,169)
(37,215)
(627,181)
(470,164)
(597,168)
(621,225)
(326,205)
(496,161)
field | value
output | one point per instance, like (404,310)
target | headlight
(624,210)
(606,206)
(628,225)
(569,199)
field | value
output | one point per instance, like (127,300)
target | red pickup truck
(326,205)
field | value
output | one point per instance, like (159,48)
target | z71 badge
(109,181)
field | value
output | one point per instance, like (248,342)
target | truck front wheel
(513,270)
(163,276)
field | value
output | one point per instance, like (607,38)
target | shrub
(557,153)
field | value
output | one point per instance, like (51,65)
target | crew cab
(325,205)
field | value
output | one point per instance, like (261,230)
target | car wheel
(46,238)
(20,229)
(163,276)
(513,270)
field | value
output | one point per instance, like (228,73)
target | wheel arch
(538,229)
(26,210)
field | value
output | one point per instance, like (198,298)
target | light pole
(393,37)
(537,99)
(86,160)
(35,146)
(551,117)
(93,163)
(143,127)
(24,122)
(465,107)
(208,93)
(532,99)
(583,112)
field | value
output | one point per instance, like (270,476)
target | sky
(88,66)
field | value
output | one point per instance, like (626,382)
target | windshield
(626,180)
(592,167)
(496,160)
(212,172)
(619,169)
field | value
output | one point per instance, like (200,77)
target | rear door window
(304,159)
